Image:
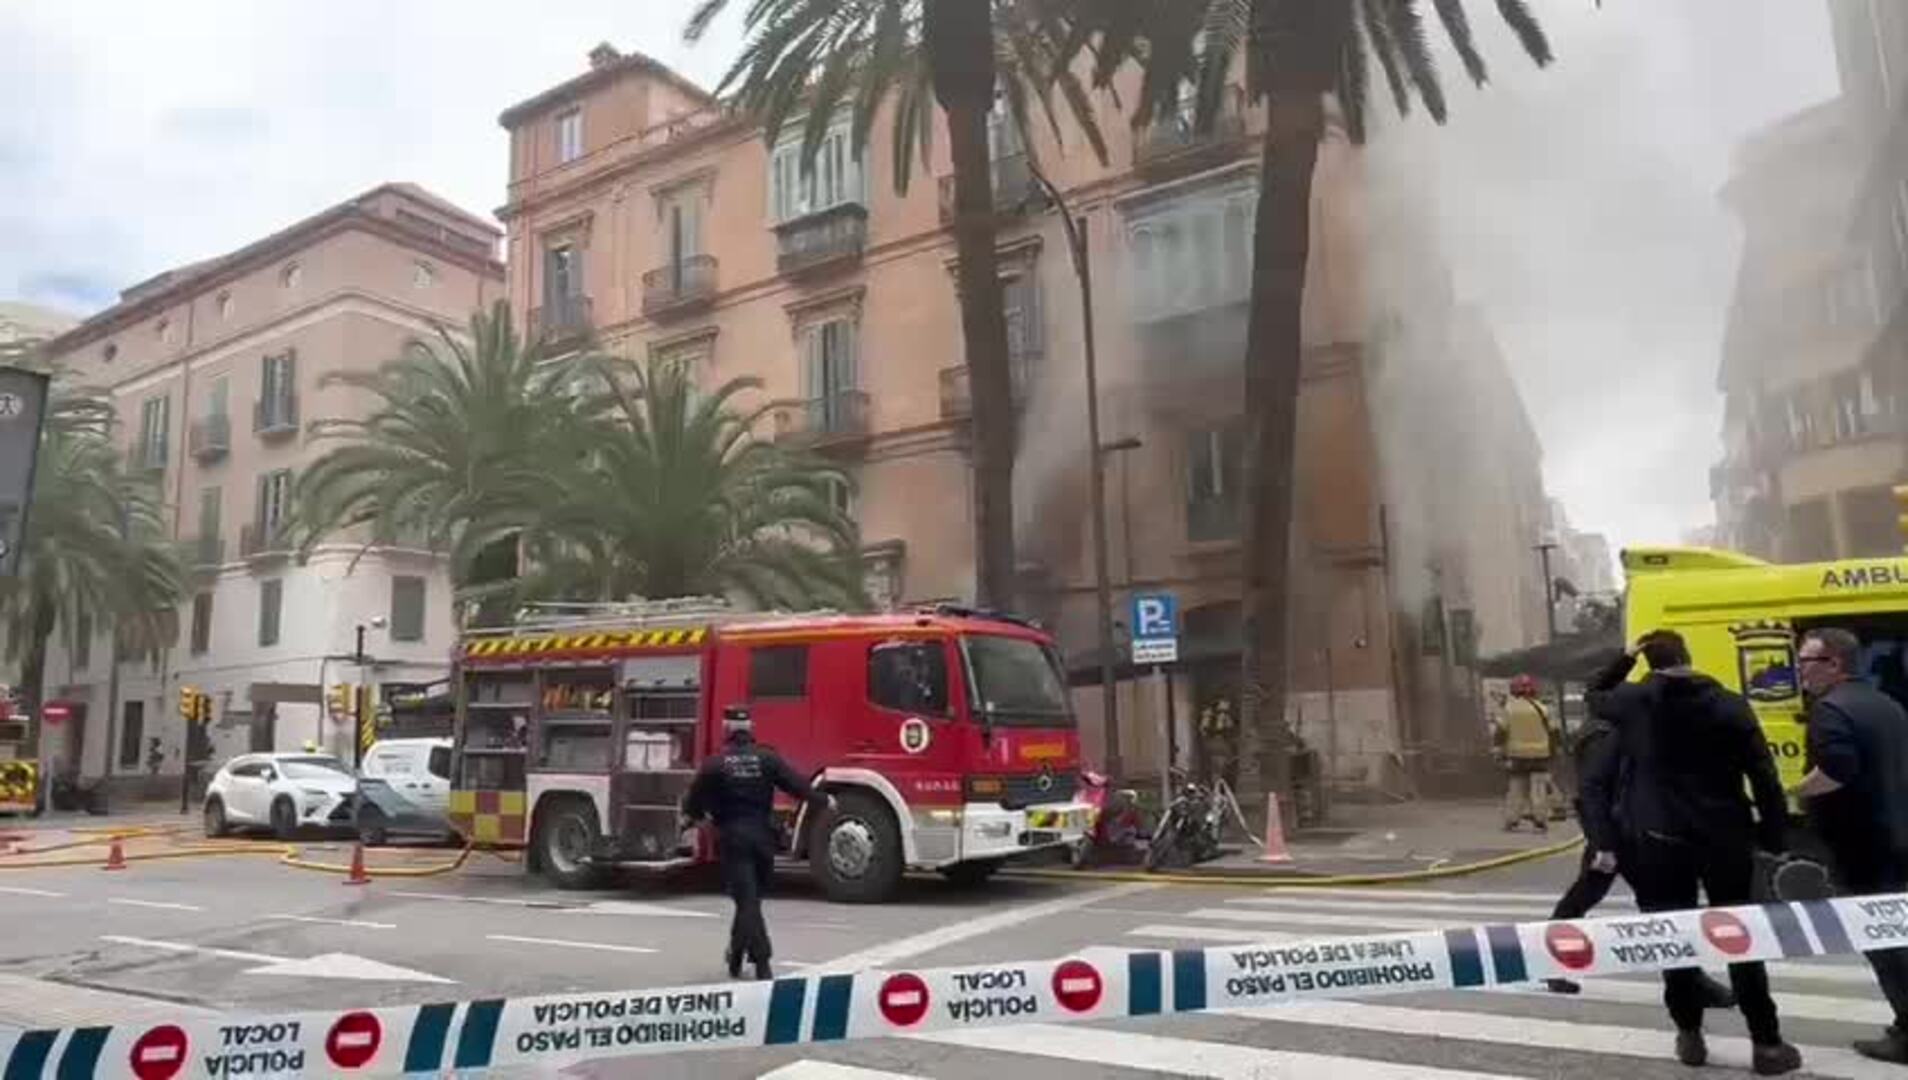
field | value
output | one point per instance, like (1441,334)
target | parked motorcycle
(1188,834)
(1117,833)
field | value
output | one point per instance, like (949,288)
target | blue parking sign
(1155,615)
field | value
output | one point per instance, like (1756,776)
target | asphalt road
(247,934)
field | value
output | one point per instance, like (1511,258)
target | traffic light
(1901,512)
(194,705)
(338,701)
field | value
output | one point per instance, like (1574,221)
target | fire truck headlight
(996,829)
(945,817)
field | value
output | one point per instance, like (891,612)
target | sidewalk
(1395,838)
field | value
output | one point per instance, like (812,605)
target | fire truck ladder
(550,617)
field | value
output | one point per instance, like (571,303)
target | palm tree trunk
(958,35)
(33,673)
(1274,361)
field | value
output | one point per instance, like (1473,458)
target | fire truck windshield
(1015,682)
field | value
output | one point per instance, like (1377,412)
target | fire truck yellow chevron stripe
(589,642)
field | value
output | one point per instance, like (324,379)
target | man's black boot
(1691,1050)
(734,959)
(1774,1059)
(762,971)
(1892,1047)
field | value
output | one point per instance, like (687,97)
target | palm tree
(469,445)
(821,56)
(95,543)
(681,499)
(1294,53)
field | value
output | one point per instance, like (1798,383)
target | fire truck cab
(946,737)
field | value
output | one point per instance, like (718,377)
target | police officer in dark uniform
(736,790)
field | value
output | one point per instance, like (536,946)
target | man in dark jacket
(736,790)
(1597,754)
(1691,747)
(1857,792)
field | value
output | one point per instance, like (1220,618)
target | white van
(404,787)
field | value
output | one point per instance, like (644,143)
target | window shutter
(407,608)
(812,384)
(261,502)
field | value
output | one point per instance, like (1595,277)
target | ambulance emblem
(1765,655)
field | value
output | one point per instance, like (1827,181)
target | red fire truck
(945,735)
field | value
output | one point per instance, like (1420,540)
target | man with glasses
(1857,792)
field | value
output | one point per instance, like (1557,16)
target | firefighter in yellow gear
(1523,739)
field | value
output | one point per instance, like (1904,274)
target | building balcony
(688,284)
(957,392)
(264,541)
(826,240)
(275,416)
(1016,192)
(1175,144)
(210,438)
(562,318)
(145,458)
(835,418)
(205,552)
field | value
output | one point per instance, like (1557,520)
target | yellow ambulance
(1743,618)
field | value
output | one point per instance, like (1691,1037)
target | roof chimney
(603,56)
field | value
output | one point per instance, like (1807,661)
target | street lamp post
(1096,482)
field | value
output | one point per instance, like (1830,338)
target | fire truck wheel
(970,874)
(859,861)
(566,835)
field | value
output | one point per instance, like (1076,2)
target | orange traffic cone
(115,857)
(357,876)
(1274,833)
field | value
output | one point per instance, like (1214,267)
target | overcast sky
(1578,204)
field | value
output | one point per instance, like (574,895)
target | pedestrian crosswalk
(1512,1032)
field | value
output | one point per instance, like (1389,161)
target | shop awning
(1570,658)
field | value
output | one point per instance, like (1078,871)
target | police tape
(1097,984)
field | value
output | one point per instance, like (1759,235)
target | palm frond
(1457,27)
(1378,36)
(1354,83)
(1530,33)
(1414,48)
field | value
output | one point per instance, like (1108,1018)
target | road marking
(1380,893)
(503,900)
(1855,974)
(1185,1057)
(16,890)
(1311,918)
(1800,1006)
(1209,933)
(1476,912)
(181,947)
(943,936)
(828,1070)
(356,924)
(562,944)
(325,966)
(160,904)
(346,966)
(630,907)
(1529,1031)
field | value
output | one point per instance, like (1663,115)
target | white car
(404,788)
(282,792)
